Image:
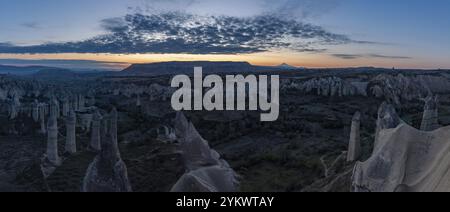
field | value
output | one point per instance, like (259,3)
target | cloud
(6,44)
(356,56)
(389,57)
(31,25)
(179,32)
(347,56)
(67,64)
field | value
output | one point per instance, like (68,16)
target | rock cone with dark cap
(107,173)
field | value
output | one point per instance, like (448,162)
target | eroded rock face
(354,148)
(430,119)
(108,173)
(205,170)
(330,86)
(396,89)
(406,160)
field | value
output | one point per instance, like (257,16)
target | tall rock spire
(35,112)
(42,118)
(52,137)
(66,107)
(138,100)
(71,144)
(95,132)
(354,147)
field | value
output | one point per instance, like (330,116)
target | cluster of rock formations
(394,89)
(206,171)
(330,86)
(397,89)
(405,159)
(154,91)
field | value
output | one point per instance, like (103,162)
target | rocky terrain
(65,131)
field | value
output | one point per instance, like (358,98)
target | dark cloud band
(176,32)
(356,56)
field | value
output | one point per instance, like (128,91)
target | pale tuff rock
(138,101)
(3,94)
(35,112)
(406,160)
(54,108)
(95,144)
(437,84)
(331,86)
(207,179)
(81,102)
(354,148)
(107,173)
(14,107)
(86,116)
(206,171)
(66,108)
(396,89)
(430,114)
(75,104)
(392,88)
(71,144)
(361,87)
(52,139)
(42,115)
(377,91)
(387,119)
(196,150)
(154,91)
(85,121)
(166,134)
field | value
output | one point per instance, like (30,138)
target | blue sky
(403,33)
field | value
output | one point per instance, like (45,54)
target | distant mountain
(55,73)
(286,66)
(171,68)
(21,70)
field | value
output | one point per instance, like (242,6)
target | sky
(306,33)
